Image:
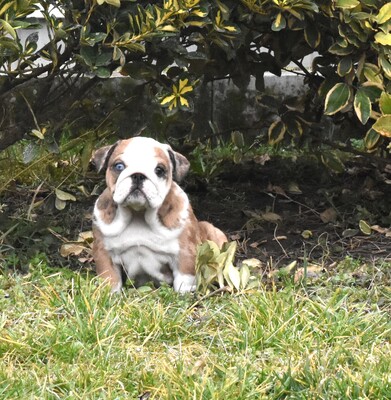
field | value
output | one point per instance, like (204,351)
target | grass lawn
(63,336)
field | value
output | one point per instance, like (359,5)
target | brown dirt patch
(279,212)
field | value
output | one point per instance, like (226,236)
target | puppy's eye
(160,171)
(119,166)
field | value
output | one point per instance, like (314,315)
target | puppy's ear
(100,157)
(180,165)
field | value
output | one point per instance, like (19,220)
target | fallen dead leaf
(313,272)
(271,217)
(293,188)
(262,159)
(68,249)
(276,189)
(328,215)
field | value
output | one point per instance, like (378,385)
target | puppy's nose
(138,178)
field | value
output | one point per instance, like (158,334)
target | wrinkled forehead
(141,151)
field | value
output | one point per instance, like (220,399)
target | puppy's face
(140,171)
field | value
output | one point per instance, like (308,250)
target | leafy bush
(170,47)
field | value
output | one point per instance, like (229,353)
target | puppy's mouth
(137,199)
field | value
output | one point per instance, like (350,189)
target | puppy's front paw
(184,283)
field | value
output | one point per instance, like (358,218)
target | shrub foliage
(170,47)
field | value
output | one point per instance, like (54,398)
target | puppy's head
(140,171)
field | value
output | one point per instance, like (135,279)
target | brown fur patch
(112,176)
(161,157)
(188,241)
(106,206)
(195,233)
(169,212)
(103,264)
(210,232)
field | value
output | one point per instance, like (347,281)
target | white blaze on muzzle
(138,185)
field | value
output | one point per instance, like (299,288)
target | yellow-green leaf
(237,138)
(364,227)
(183,101)
(232,276)
(333,162)
(276,132)
(199,13)
(168,28)
(347,3)
(244,273)
(371,139)
(60,204)
(383,126)
(230,28)
(182,84)
(64,196)
(383,38)
(337,98)
(312,35)
(37,133)
(362,106)
(186,89)
(115,3)
(279,23)
(384,14)
(385,103)
(8,28)
(167,99)
(372,73)
(386,66)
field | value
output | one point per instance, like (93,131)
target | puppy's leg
(210,232)
(184,274)
(104,265)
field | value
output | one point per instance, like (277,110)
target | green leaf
(383,126)
(86,154)
(333,162)
(139,70)
(347,4)
(371,139)
(276,132)
(384,14)
(103,59)
(385,103)
(383,38)
(88,54)
(372,90)
(337,98)
(344,66)
(312,35)
(102,72)
(30,152)
(362,106)
(237,139)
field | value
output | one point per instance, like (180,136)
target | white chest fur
(140,243)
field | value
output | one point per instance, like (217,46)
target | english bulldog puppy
(144,227)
